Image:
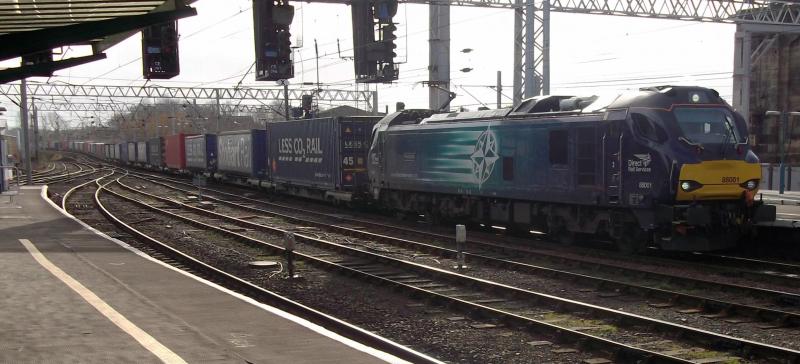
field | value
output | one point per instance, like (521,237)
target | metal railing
(771,178)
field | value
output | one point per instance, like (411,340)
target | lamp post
(783,124)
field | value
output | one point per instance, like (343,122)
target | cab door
(613,141)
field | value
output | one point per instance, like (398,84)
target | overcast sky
(590,54)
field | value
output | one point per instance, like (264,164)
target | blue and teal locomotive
(666,166)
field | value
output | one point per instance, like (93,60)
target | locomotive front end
(715,175)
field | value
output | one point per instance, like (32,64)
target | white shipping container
(141,152)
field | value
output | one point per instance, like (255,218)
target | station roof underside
(32,26)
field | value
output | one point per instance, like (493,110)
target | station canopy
(31,29)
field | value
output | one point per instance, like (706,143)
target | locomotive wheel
(566,238)
(632,241)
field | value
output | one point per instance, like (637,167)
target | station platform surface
(71,295)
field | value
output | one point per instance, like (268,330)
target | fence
(770,177)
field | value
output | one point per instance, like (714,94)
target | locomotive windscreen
(708,125)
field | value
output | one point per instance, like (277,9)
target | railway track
(722,266)
(788,273)
(489,299)
(680,296)
(164,252)
(82,170)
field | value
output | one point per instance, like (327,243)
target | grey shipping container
(201,152)
(141,152)
(243,152)
(131,152)
(155,156)
(327,153)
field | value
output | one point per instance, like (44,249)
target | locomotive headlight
(689,186)
(750,184)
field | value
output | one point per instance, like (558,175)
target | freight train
(666,166)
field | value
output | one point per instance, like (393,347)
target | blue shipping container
(243,152)
(326,153)
(201,152)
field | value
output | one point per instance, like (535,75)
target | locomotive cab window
(559,147)
(647,129)
(708,125)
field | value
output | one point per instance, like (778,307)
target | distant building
(775,85)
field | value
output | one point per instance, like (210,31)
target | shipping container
(131,152)
(141,152)
(122,152)
(201,152)
(155,157)
(243,152)
(175,151)
(327,154)
(98,150)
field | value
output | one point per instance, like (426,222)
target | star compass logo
(484,156)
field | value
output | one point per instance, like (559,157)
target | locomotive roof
(652,97)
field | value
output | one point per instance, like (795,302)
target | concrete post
(26,145)
(499,90)
(461,238)
(439,54)
(35,117)
(289,245)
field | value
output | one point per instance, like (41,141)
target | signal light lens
(750,184)
(689,186)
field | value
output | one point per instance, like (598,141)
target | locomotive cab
(706,198)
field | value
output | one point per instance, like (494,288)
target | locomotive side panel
(512,160)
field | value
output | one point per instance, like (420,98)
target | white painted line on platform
(785,214)
(298,320)
(149,343)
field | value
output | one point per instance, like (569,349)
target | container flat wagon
(155,157)
(201,153)
(131,152)
(321,158)
(175,152)
(122,152)
(141,153)
(242,156)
